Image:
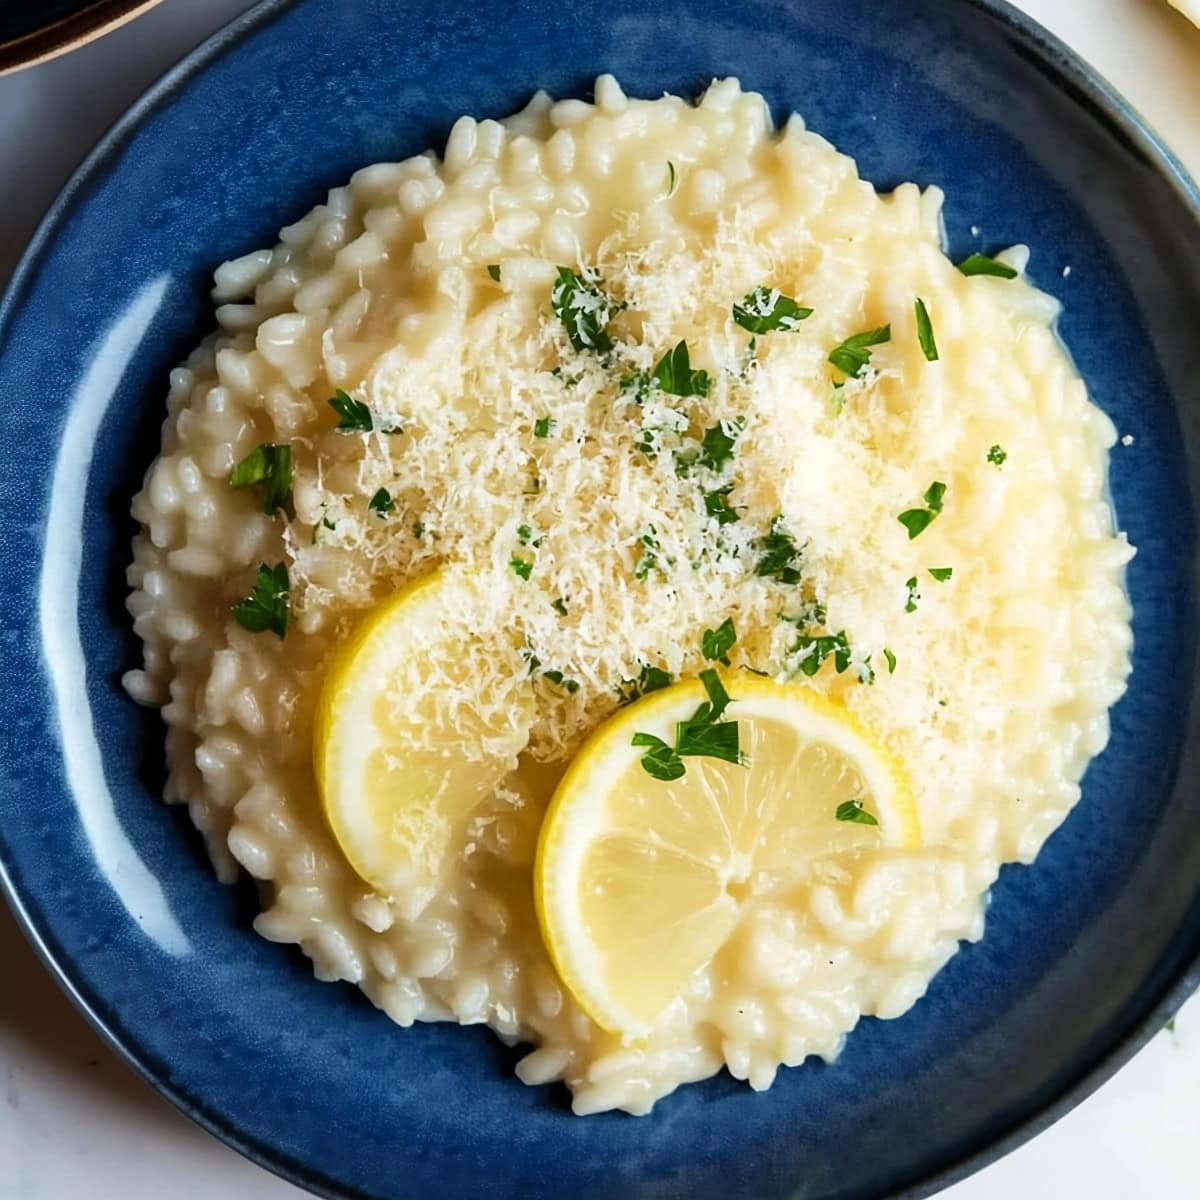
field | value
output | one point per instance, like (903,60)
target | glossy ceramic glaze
(1084,954)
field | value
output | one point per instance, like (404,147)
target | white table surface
(76,1123)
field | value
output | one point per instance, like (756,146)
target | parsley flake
(982,264)
(702,735)
(816,650)
(521,567)
(853,355)
(560,606)
(716,505)
(418,530)
(996,455)
(891,660)
(673,373)
(766,309)
(494,271)
(584,309)
(268,606)
(716,448)
(649,559)
(271,465)
(941,574)
(917,520)
(779,555)
(571,685)
(910,601)
(355,415)
(715,644)
(382,502)
(852,810)
(925,332)
(650,679)
(542,427)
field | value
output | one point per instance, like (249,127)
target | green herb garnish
(672,178)
(571,685)
(382,502)
(925,332)
(996,455)
(521,567)
(716,505)
(560,606)
(817,649)
(702,735)
(649,559)
(855,352)
(716,448)
(494,271)
(650,679)
(852,810)
(584,309)
(891,660)
(910,601)
(674,374)
(715,644)
(917,520)
(271,465)
(355,415)
(418,530)
(766,309)
(542,427)
(525,536)
(269,606)
(779,555)
(941,574)
(981,264)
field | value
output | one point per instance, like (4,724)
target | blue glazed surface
(1083,954)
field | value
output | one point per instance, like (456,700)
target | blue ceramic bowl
(1085,954)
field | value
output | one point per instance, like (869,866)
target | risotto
(668,388)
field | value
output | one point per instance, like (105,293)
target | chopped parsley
(649,559)
(269,605)
(520,566)
(560,606)
(779,555)
(925,332)
(571,685)
(702,735)
(891,660)
(996,455)
(542,427)
(982,264)
(650,679)
(355,415)
(766,309)
(494,271)
(271,465)
(917,520)
(910,601)
(716,448)
(852,810)
(715,644)
(853,355)
(584,309)
(673,373)
(672,178)
(382,502)
(815,650)
(941,574)
(716,505)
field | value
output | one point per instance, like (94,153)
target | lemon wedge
(406,740)
(639,882)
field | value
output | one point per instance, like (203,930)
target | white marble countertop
(76,1124)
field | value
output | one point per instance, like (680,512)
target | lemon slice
(639,882)
(407,741)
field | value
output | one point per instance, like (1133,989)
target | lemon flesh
(405,746)
(639,882)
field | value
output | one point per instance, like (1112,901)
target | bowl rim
(1070,69)
(68,33)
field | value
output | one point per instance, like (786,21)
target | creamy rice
(1004,674)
